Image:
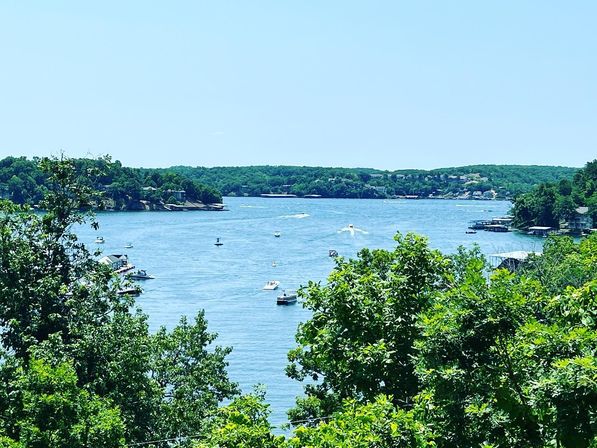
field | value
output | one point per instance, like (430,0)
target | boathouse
(510,260)
(540,230)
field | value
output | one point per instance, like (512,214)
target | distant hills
(142,188)
(473,181)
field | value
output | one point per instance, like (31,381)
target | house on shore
(581,220)
(116,262)
(179,195)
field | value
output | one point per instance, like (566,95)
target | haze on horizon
(386,84)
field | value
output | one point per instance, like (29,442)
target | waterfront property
(116,262)
(581,220)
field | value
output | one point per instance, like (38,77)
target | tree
(511,361)
(360,340)
(57,300)
(243,424)
(48,409)
(377,424)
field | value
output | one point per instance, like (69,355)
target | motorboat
(100,240)
(218,242)
(141,274)
(332,253)
(277,234)
(271,285)
(128,246)
(132,291)
(471,232)
(286,298)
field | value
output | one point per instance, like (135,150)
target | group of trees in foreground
(405,348)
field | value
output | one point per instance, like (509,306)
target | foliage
(359,341)
(550,203)
(563,263)
(504,362)
(25,181)
(48,409)
(58,304)
(505,180)
(376,424)
(243,424)
(193,380)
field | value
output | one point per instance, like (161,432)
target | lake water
(192,273)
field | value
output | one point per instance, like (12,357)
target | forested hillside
(553,203)
(23,182)
(502,181)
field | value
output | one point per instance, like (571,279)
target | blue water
(192,273)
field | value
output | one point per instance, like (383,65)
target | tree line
(553,202)
(23,182)
(404,348)
(505,180)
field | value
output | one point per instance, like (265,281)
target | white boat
(286,298)
(128,246)
(141,274)
(277,234)
(271,285)
(100,240)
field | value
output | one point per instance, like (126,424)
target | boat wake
(352,230)
(297,216)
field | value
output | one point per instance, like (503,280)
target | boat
(286,298)
(479,224)
(271,285)
(277,234)
(141,274)
(472,232)
(274,264)
(218,242)
(332,253)
(132,291)
(128,246)
(100,240)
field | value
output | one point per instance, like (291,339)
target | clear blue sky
(386,84)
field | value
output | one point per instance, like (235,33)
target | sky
(382,84)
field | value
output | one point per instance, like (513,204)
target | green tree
(243,424)
(377,424)
(48,409)
(359,342)
(57,300)
(510,361)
